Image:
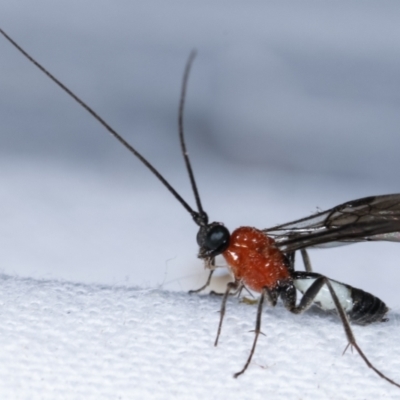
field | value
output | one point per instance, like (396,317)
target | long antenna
(202,216)
(199,217)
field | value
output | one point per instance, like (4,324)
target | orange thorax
(254,259)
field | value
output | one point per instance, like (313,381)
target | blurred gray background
(292,107)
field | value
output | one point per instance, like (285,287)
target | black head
(213,240)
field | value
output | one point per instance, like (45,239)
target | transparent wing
(369,218)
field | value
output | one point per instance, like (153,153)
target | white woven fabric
(61,340)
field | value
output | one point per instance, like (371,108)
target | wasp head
(213,240)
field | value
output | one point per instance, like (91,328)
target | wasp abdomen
(367,308)
(361,307)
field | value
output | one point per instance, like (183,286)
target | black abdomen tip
(366,308)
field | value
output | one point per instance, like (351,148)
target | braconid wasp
(263,260)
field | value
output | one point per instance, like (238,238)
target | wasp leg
(289,299)
(306,260)
(272,299)
(290,260)
(205,285)
(208,264)
(350,335)
(235,286)
(237,293)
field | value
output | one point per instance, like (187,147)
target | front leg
(200,289)
(208,264)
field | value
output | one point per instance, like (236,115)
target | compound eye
(213,240)
(216,240)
